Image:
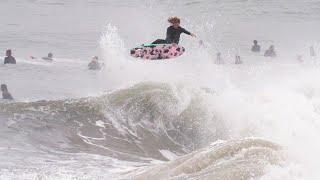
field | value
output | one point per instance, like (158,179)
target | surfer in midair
(173,32)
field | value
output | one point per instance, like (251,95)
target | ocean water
(185,118)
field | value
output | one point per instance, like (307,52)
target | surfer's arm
(187,32)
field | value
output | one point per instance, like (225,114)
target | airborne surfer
(173,32)
(163,48)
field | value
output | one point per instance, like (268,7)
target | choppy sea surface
(185,118)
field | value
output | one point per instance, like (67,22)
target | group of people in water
(93,65)
(256,48)
(268,53)
(175,30)
(172,37)
(9,59)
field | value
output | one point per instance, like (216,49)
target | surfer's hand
(193,35)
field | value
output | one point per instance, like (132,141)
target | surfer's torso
(173,34)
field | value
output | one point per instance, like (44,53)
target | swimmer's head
(50,55)
(8,52)
(4,87)
(255,42)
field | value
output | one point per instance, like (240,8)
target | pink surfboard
(157,51)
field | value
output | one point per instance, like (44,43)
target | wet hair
(50,55)
(4,87)
(174,20)
(255,41)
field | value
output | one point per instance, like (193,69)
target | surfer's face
(176,25)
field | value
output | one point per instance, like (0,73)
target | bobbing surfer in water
(173,32)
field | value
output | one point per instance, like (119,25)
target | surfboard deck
(157,51)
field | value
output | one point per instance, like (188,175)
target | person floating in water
(255,47)
(49,57)
(5,92)
(238,60)
(219,60)
(9,59)
(312,51)
(270,52)
(173,32)
(94,64)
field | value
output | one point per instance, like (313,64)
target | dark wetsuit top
(173,35)
(9,60)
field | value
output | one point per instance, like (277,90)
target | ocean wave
(136,122)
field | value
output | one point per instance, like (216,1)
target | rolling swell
(132,124)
